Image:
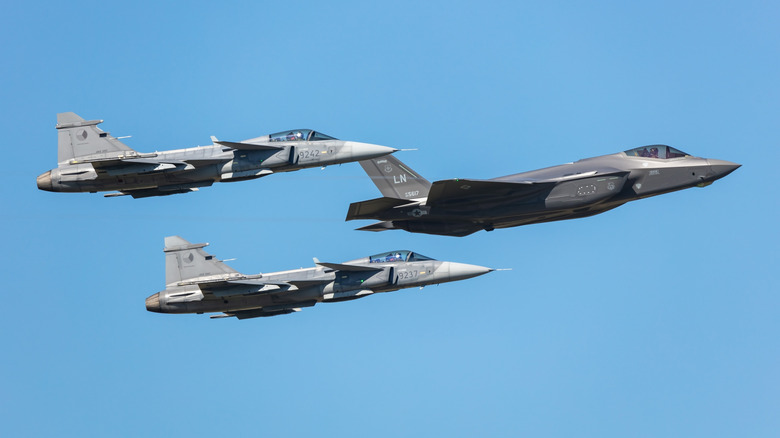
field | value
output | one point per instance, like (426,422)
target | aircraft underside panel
(459,228)
(559,216)
(444,228)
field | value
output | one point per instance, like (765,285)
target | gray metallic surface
(460,207)
(91,160)
(197,282)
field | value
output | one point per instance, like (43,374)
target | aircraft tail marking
(185,260)
(395,179)
(78,138)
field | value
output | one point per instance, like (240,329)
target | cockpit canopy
(398,256)
(656,151)
(300,135)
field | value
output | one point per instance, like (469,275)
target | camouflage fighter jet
(91,160)
(196,282)
(459,207)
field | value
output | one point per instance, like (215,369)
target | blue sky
(655,319)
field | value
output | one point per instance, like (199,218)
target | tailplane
(79,138)
(395,179)
(185,260)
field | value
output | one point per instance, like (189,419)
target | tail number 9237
(407,275)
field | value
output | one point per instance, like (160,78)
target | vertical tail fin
(395,179)
(185,260)
(78,138)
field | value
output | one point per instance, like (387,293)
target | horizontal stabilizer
(248,146)
(378,226)
(342,267)
(369,209)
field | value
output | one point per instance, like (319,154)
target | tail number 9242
(307,153)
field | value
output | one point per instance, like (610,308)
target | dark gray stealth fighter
(196,282)
(459,207)
(91,160)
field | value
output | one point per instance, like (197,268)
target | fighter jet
(459,207)
(91,160)
(196,282)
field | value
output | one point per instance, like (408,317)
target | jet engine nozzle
(153,303)
(44,181)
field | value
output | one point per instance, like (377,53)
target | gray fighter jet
(459,207)
(91,160)
(196,282)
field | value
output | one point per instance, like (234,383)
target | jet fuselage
(217,288)
(91,160)
(574,190)
(227,165)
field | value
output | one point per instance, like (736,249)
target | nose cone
(462,271)
(722,168)
(365,151)
(153,303)
(44,181)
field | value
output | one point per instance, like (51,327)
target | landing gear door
(293,155)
